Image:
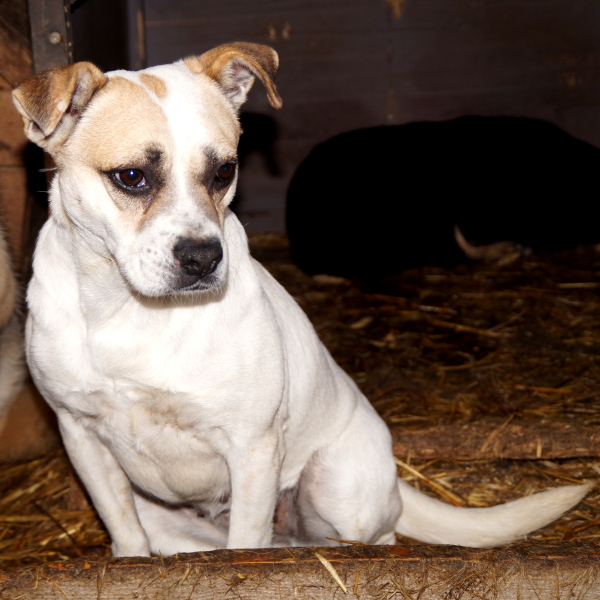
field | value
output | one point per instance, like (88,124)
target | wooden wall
(15,67)
(347,64)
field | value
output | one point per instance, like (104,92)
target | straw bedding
(515,344)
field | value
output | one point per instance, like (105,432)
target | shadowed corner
(260,134)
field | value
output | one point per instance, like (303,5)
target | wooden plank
(15,52)
(15,67)
(524,571)
(100,32)
(12,138)
(493,438)
(29,429)
(328,50)
(524,59)
(50,33)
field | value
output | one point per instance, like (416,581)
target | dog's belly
(167,453)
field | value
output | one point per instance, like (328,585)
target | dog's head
(148,160)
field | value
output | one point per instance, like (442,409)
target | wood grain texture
(524,571)
(15,43)
(48,16)
(15,67)
(12,138)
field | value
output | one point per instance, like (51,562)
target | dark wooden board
(524,571)
(51,38)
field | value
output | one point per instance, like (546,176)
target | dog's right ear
(52,101)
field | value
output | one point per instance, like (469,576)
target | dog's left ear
(234,66)
(52,101)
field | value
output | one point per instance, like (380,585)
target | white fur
(176,403)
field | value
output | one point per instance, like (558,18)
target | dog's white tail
(435,522)
(490,252)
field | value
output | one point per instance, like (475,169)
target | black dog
(373,202)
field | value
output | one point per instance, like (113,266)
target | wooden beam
(50,33)
(525,571)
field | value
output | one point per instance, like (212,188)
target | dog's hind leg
(172,530)
(349,489)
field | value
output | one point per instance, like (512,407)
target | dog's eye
(131,178)
(225,172)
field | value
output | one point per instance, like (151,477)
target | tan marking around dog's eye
(154,84)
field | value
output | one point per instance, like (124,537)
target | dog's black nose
(198,259)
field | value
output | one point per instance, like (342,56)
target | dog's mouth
(210,282)
(193,266)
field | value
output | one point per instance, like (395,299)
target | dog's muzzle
(196,259)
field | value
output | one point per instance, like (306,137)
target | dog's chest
(167,391)
(166,443)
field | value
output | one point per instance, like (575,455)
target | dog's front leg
(254,469)
(108,486)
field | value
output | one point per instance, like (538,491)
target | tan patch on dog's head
(111,137)
(136,136)
(154,84)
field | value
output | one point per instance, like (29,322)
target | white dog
(194,397)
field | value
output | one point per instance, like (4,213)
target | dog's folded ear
(234,66)
(52,101)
